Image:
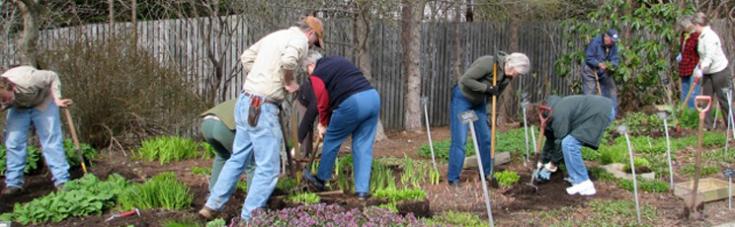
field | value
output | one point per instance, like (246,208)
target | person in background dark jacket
(471,93)
(688,59)
(307,112)
(575,121)
(601,56)
(347,105)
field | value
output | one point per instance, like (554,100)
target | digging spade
(623,130)
(543,115)
(425,101)
(707,101)
(75,139)
(525,123)
(665,116)
(469,118)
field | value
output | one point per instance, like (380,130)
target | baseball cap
(612,33)
(316,25)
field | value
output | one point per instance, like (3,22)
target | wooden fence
(181,42)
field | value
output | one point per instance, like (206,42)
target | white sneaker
(584,188)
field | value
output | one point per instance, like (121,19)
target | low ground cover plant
(331,215)
(506,178)
(82,197)
(455,219)
(165,149)
(306,198)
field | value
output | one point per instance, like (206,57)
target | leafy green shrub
(162,191)
(166,149)
(687,118)
(219,222)
(205,171)
(640,123)
(441,149)
(32,159)
(455,219)
(589,154)
(243,186)
(286,184)
(82,197)
(640,164)
(306,198)
(72,157)
(506,178)
(396,195)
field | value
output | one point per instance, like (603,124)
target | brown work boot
(10,191)
(207,213)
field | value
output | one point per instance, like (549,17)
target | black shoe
(10,191)
(454,183)
(362,195)
(314,182)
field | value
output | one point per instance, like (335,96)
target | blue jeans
(458,105)
(48,127)
(572,151)
(264,143)
(221,138)
(686,83)
(357,116)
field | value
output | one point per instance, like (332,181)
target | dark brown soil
(549,195)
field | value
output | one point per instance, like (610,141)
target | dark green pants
(221,138)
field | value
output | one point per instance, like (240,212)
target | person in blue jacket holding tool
(601,56)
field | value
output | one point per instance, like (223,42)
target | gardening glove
(543,175)
(491,90)
(678,58)
(697,73)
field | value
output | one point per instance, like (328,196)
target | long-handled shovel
(597,82)
(544,119)
(470,117)
(75,139)
(493,117)
(707,100)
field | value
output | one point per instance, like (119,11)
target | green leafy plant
(391,206)
(243,186)
(32,159)
(441,149)
(306,198)
(205,171)
(707,170)
(382,177)
(645,185)
(166,149)
(396,195)
(640,163)
(219,222)
(162,191)
(72,157)
(180,223)
(286,184)
(506,178)
(455,219)
(85,196)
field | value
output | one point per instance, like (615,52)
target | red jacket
(689,56)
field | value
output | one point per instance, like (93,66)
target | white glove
(697,72)
(678,58)
(548,166)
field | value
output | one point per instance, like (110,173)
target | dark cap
(613,34)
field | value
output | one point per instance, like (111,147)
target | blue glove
(543,175)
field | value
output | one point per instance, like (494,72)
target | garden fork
(707,100)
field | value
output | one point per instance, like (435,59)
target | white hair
(519,62)
(684,23)
(311,58)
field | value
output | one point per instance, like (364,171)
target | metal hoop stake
(665,117)
(624,131)
(425,100)
(470,117)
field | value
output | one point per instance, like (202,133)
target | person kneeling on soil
(472,93)
(575,121)
(347,105)
(32,97)
(218,129)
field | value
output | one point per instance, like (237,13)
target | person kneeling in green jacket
(575,121)
(218,129)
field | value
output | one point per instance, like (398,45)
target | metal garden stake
(729,173)
(525,123)
(698,154)
(425,101)
(469,118)
(731,121)
(665,116)
(624,131)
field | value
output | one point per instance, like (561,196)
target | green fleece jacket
(225,112)
(479,76)
(584,117)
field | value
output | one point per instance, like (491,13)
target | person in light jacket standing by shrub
(271,63)
(32,97)
(712,67)
(472,93)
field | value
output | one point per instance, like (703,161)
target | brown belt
(268,100)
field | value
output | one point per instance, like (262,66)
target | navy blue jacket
(333,80)
(597,52)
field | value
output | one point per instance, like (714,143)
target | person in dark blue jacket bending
(601,56)
(347,105)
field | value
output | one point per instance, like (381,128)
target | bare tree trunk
(362,31)
(412,14)
(134,22)
(507,98)
(30,10)
(111,10)
(458,55)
